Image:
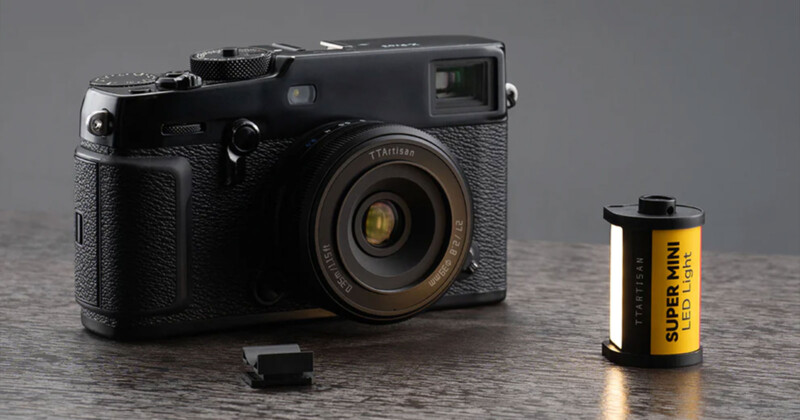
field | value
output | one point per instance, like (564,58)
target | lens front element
(380,223)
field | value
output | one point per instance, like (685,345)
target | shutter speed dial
(228,64)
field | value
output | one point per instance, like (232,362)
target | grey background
(700,100)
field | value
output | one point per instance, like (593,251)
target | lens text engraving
(391,151)
(451,255)
(333,268)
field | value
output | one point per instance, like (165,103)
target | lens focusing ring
(335,179)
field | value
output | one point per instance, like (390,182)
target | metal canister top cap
(654,212)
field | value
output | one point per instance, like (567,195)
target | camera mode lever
(243,140)
(178,80)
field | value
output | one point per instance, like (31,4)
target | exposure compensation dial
(228,64)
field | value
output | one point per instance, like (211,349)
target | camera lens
(377,218)
(380,223)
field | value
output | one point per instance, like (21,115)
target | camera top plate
(383,79)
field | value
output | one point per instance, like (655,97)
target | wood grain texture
(537,355)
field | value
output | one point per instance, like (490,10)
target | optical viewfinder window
(463,86)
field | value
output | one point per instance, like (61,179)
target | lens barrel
(377,217)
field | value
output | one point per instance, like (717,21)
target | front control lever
(243,140)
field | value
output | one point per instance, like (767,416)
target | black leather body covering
(163,240)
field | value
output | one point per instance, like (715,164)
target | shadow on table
(642,392)
(459,339)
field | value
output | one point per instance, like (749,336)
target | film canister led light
(655,283)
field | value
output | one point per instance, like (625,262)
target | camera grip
(132,233)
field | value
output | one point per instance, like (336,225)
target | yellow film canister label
(654,283)
(675,291)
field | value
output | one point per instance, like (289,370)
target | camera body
(274,183)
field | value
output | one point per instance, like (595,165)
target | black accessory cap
(277,365)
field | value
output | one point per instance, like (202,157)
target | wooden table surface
(537,355)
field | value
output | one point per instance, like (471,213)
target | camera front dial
(379,217)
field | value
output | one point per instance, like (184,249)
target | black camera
(271,183)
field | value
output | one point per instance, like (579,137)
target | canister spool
(655,283)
